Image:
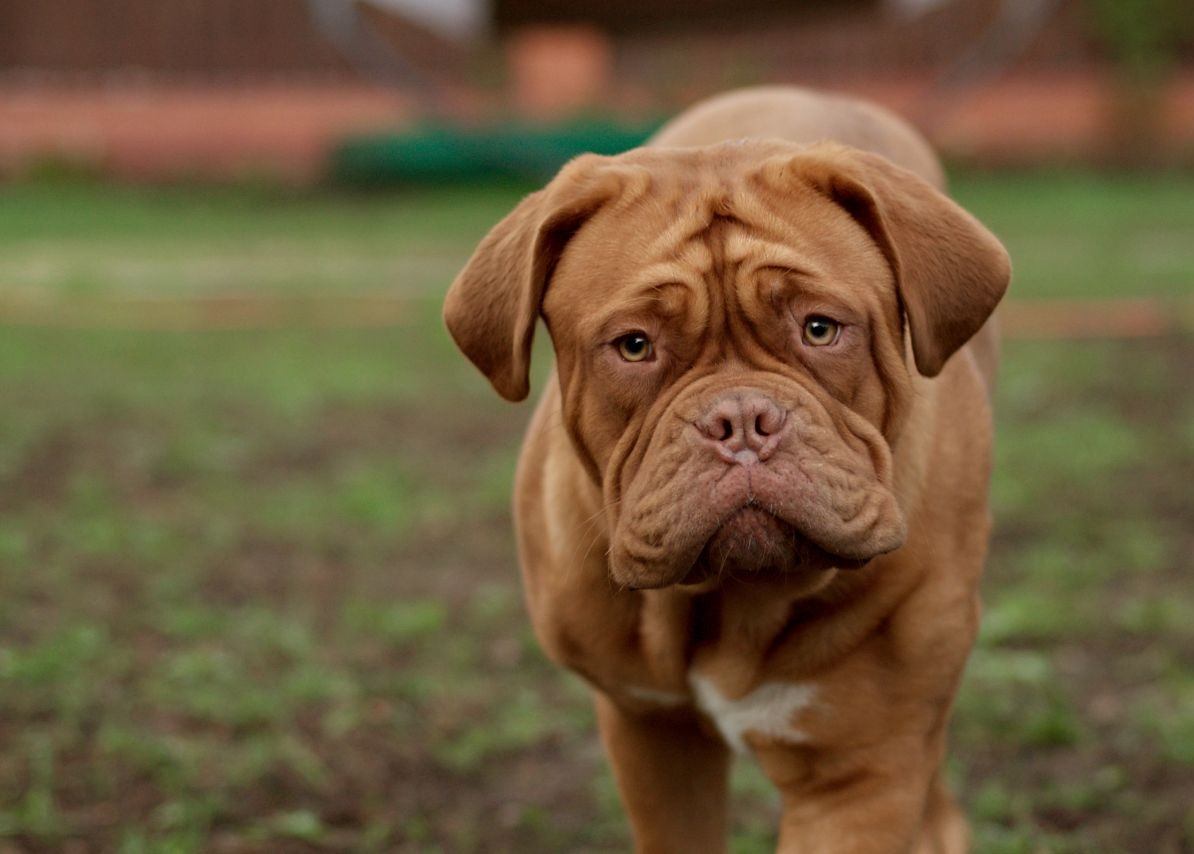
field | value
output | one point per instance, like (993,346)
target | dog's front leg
(887,799)
(672,777)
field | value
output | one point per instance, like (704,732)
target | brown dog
(752,508)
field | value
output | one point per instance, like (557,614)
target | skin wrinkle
(636,191)
(762,199)
(897,397)
(591,524)
(722,281)
(872,352)
(633,446)
(574,392)
(808,285)
(625,454)
(880,458)
(574,567)
(651,301)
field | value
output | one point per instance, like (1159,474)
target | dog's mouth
(755,544)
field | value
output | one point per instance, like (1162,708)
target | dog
(751,505)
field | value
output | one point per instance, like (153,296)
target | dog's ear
(950,270)
(492,307)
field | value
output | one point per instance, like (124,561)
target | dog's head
(729,324)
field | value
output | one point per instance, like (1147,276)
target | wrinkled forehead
(689,236)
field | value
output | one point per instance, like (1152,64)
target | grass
(258,591)
(1079,235)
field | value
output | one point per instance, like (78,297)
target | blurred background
(257,585)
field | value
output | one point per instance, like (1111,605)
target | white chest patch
(767,710)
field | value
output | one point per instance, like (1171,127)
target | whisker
(592,523)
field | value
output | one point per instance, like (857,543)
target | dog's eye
(820,331)
(635,347)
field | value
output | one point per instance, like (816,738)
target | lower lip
(748,541)
(767,547)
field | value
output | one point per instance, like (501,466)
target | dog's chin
(754,545)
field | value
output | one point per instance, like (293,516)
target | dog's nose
(743,426)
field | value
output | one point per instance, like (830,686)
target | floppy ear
(493,305)
(951,271)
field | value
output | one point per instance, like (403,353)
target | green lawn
(257,587)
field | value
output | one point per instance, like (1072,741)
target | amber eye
(820,331)
(635,347)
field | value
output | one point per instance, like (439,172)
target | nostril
(726,428)
(769,421)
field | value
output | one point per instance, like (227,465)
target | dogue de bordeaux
(752,502)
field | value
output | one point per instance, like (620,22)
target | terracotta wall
(194,39)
